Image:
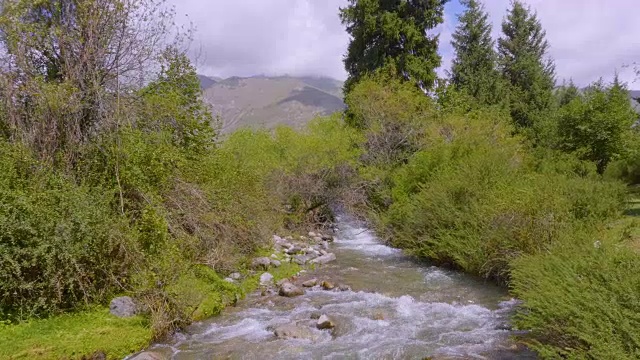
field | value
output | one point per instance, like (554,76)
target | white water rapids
(399,308)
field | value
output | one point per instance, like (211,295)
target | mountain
(264,102)
(207,82)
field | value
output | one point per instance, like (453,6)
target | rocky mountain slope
(262,101)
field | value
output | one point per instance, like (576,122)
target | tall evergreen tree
(474,68)
(524,64)
(393,33)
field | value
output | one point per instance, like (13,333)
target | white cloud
(589,38)
(249,37)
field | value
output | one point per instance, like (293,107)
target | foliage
(522,50)
(392,33)
(61,246)
(474,68)
(597,124)
(581,301)
(174,101)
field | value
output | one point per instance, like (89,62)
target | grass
(80,335)
(73,336)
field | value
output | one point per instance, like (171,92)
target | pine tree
(474,69)
(393,33)
(567,93)
(524,64)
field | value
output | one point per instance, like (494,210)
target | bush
(581,301)
(472,199)
(61,247)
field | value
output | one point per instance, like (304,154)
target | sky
(589,38)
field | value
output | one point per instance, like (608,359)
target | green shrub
(582,300)
(60,246)
(471,199)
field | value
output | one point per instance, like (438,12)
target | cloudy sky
(589,38)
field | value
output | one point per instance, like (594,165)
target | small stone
(315,315)
(327,285)
(274,256)
(276,263)
(343,287)
(324,323)
(293,331)
(324,259)
(294,250)
(300,259)
(123,307)
(323,252)
(229,280)
(312,234)
(277,239)
(261,263)
(317,239)
(266,279)
(327,238)
(290,290)
(378,316)
(325,245)
(149,355)
(235,276)
(310,283)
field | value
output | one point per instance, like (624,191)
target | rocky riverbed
(356,299)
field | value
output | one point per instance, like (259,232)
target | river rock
(324,323)
(310,283)
(327,285)
(325,245)
(343,287)
(276,263)
(300,259)
(289,290)
(317,239)
(312,234)
(324,259)
(293,331)
(277,239)
(123,307)
(261,263)
(295,249)
(149,355)
(328,238)
(235,276)
(315,315)
(323,252)
(266,279)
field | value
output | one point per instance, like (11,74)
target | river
(398,308)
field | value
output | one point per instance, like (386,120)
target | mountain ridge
(268,101)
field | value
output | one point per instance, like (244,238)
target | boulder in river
(261,263)
(327,285)
(289,290)
(310,283)
(324,323)
(344,287)
(293,331)
(324,259)
(123,307)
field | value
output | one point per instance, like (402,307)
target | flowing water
(398,308)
